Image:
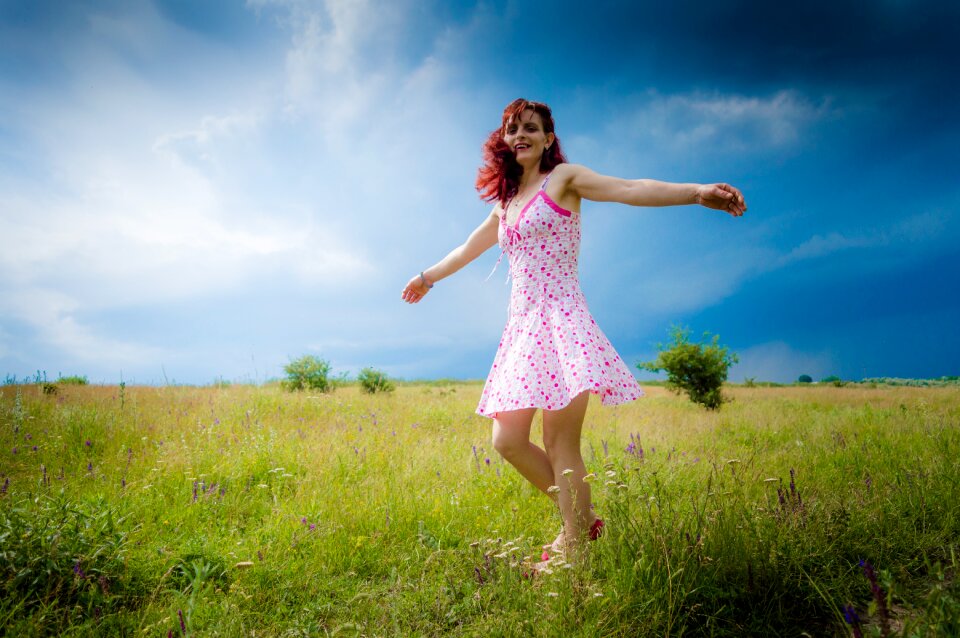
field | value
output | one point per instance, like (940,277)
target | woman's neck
(530,174)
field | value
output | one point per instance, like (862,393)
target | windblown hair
(499,177)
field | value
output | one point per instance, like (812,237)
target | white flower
(611,473)
(553,489)
(589,477)
(567,472)
(552,594)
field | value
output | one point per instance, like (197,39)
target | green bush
(805,378)
(835,380)
(74,379)
(699,369)
(373,381)
(308,373)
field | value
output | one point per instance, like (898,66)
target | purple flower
(487,460)
(878,596)
(88,443)
(304,520)
(90,467)
(34,448)
(183,625)
(78,571)
(313,526)
(850,615)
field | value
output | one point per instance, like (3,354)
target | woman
(552,354)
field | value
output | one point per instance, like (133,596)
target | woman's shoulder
(565,172)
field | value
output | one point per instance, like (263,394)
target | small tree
(805,378)
(373,381)
(308,373)
(699,369)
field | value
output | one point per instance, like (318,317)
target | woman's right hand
(415,290)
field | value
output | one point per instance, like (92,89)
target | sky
(200,191)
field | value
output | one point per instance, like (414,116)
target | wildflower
(850,615)
(244,564)
(611,473)
(567,472)
(589,478)
(487,460)
(88,443)
(6,486)
(770,480)
(878,595)
(78,571)
(553,489)
(552,594)
(183,625)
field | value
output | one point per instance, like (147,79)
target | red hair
(499,177)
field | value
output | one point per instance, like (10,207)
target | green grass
(125,508)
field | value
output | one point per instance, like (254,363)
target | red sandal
(596,530)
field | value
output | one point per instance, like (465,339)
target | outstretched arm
(482,238)
(587,184)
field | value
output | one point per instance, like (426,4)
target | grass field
(250,511)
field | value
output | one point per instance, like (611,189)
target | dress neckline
(540,191)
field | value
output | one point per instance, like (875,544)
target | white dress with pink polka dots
(551,349)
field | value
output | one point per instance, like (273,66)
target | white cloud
(51,314)
(692,124)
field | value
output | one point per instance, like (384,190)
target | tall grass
(237,510)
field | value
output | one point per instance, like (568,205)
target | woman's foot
(559,544)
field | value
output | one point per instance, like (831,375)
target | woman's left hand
(722,197)
(415,289)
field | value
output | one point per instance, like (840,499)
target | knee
(560,448)
(508,445)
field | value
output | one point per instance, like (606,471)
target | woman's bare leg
(561,438)
(511,438)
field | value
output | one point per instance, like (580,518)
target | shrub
(699,369)
(805,378)
(74,379)
(373,381)
(308,373)
(835,380)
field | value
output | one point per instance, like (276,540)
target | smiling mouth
(521,147)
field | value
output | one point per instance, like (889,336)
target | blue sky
(202,190)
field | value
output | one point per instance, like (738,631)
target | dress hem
(604,400)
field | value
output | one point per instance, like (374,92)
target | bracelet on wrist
(424,281)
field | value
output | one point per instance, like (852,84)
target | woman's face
(526,138)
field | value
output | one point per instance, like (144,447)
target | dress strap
(545,180)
